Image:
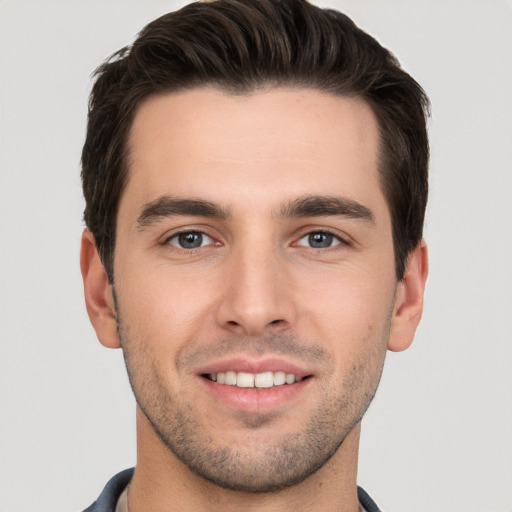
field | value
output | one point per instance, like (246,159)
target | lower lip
(256,399)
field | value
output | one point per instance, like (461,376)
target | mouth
(255,386)
(263,380)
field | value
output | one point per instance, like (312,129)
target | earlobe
(409,300)
(99,298)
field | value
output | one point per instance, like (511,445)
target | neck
(162,483)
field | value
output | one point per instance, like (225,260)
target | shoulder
(108,498)
(364,499)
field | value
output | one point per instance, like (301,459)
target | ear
(409,300)
(99,297)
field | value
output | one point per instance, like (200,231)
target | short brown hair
(242,46)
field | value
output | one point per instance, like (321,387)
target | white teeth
(250,380)
(279,378)
(264,380)
(245,380)
(290,378)
(230,379)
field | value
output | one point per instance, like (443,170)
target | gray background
(439,435)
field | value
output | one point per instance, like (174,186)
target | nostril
(276,322)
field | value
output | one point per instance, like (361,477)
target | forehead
(269,146)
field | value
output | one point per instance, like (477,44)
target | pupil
(190,240)
(320,240)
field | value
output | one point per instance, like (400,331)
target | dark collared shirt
(108,498)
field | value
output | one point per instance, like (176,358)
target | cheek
(163,309)
(351,307)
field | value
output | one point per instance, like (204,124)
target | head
(255,181)
(242,47)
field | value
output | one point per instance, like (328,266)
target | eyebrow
(167,206)
(324,206)
(305,206)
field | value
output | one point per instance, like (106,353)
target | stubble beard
(272,466)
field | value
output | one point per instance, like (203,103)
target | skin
(257,290)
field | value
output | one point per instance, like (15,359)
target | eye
(190,240)
(320,240)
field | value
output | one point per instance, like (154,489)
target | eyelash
(335,238)
(340,241)
(202,234)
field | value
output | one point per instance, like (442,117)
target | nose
(257,294)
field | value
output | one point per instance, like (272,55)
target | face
(254,278)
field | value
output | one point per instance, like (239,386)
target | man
(255,176)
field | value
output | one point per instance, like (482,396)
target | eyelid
(343,239)
(209,240)
(336,241)
(176,232)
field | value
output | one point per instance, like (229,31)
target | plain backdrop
(438,437)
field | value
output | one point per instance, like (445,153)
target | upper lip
(254,366)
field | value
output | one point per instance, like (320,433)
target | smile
(251,380)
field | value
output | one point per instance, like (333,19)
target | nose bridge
(255,299)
